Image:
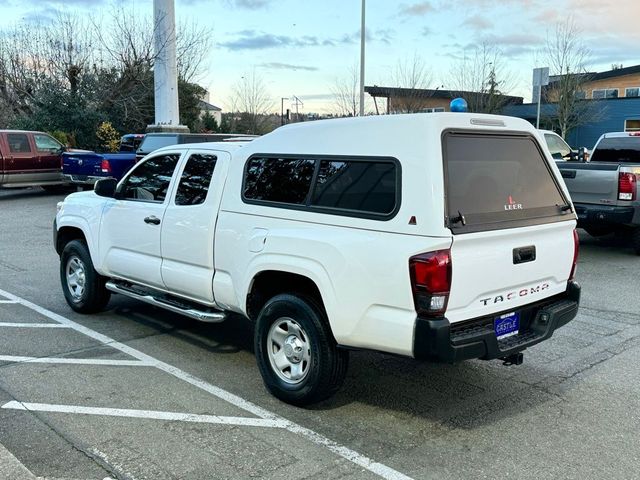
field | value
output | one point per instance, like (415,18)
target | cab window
(557,147)
(195,180)
(149,181)
(18,143)
(44,143)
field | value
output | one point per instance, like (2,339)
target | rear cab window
(618,150)
(496,181)
(155,142)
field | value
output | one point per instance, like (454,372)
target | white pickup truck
(442,237)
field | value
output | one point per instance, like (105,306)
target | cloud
(42,15)
(426,31)
(514,39)
(254,40)
(287,66)
(416,9)
(478,22)
(239,4)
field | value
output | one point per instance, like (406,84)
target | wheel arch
(269,282)
(74,228)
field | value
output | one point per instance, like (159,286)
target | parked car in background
(85,168)
(605,190)
(560,150)
(30,159)
(131,142)
(154,141)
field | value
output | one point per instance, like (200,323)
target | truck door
(131,223)
(49,153)
(21,163)
(187,238)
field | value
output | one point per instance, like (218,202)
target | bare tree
(482,79)
(567,57)
(72,73)
(251,104)
(346,93)
(410,74)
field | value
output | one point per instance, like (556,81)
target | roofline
(376,91)
(594,76)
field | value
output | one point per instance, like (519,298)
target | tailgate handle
(568,173)
(524,254)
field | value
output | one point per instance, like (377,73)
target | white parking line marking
(363,461)
(75,361)
(32,325)
(8,301)
(145,414)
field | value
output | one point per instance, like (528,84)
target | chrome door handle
(152,220)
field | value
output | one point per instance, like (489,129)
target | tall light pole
(362,38)
(165,69)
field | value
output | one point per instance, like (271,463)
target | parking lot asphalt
(139,393)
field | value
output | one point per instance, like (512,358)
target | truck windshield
(154,142)
(498,181)
(618,150)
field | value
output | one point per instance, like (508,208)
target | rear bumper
(603,215)
(440,341)
(82,179)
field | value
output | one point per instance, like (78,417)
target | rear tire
(297,355)
(84,288)
(598,231)
(635,240)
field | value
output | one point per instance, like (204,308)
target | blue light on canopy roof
(459,105)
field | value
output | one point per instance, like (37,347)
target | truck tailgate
(595,183)
(81,164)
(487,278)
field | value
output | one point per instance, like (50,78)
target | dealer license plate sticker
(507,325)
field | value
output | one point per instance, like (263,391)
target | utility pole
(362,38)
(165,70)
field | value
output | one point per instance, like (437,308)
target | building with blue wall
(610,115)
(610,102)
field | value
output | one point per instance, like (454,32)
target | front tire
(297,355)
(84,288)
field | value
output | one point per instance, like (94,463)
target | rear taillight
(431,282)
(105,167)
(627,189)
(576,249)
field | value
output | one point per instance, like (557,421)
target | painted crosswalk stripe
(75,361)
(145,414)
(32,325)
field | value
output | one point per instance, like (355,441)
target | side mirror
(106,187)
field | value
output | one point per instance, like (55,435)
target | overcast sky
(300,47)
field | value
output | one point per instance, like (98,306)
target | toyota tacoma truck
(451,239)
(605,190)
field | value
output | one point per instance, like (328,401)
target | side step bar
(189,310)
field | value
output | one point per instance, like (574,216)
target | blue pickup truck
(85,168)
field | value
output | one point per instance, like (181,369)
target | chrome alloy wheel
(289,350)
(76,277)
